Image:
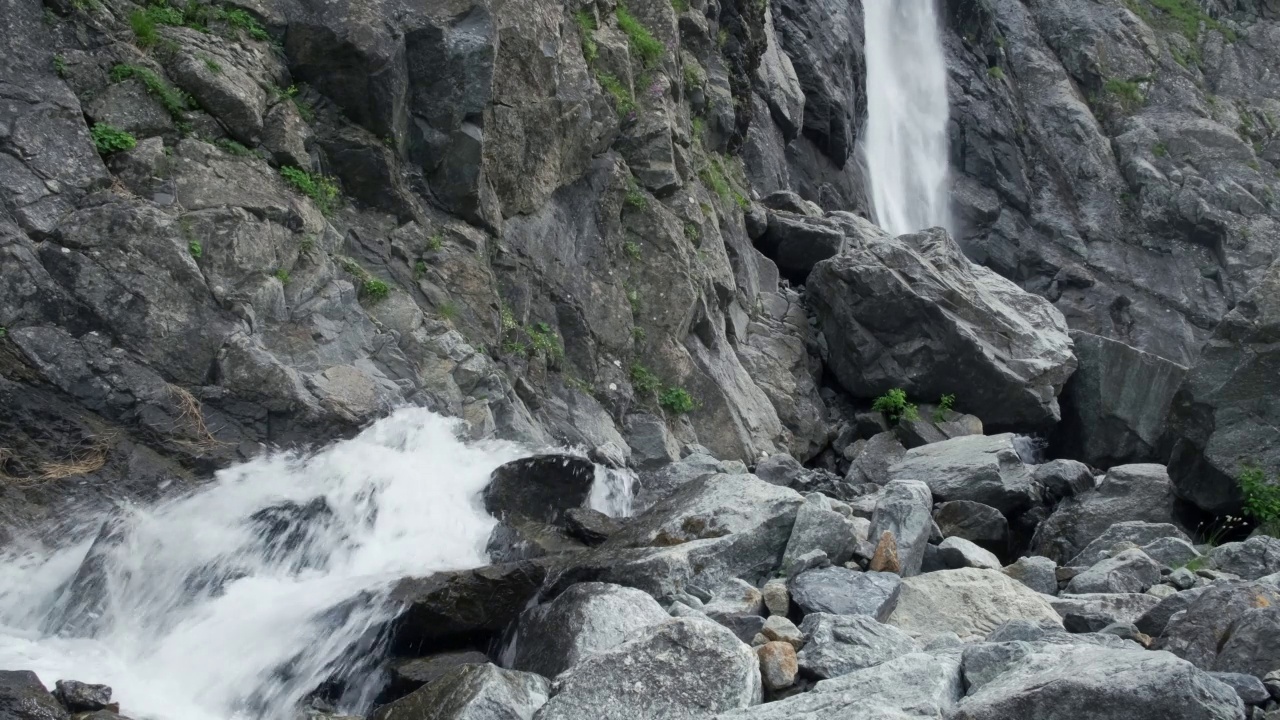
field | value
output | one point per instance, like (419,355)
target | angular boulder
(685,669)
(24,697)
(405,676)
(841,591)
(778,665)
(980,468)
(1130,571)
(449,607)
(1128,493)
(818,527)
(1154,621)
(798,242)
(1252,559)
(539,488)
(585,619)
(1134,531)
(914,312)
(839,644)
(1107,608)
(968,602)
(872,459)
(1209,623)
(472,692)
(957,552)
(978,523)
(903,511)
(1038,573)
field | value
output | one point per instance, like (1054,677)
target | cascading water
(904,146)
(239,600)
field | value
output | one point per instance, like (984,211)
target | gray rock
(777,599)
(957,552)
(981,468)
(798,242)
(539,488)
(870,303)
(79,697)
(1135,532)
(1128,572)
(1251,559)
(903,509)
(1251,647)
(818,527)
(24,697)
(1210,623)
(1129,493)
(871,459)
(1182,579)
(1037,573)
(1272,683)
(841,591)
(779,629)
(1060,479)
(652,445)
(1114,406)
(405,676)
(660,484)
(472,692)
(839,644)
(1162,591)
(778,665)
(591,527)
(1107,607)
(975,522)
(968,602)
(1096,682)
(585,619)
(1154,621)
(808,561)
(622,682)
(1249,688)
(735,597)
(1171,551)
(780,469)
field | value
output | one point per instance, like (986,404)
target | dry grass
(193,417)
(89,458)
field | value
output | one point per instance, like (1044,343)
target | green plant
(375,289)
(544,341)
(722,38)
(642,42)
(632,249)
(692,232)
(1197,563)
(635,196)
(643,380)
(435,242)
(196,250)
(996,72)
(693,76)
(895,407)
(1159,150)
(175,102)
(945,403)
(212,65)
(713,177)
(622,99)
(231,147)
(587,24)
(1261,499)
(676,400)
(680,5)
(1126,91)
(60,65)
(638,334)
(508,319)
(448,311)
(282,275)
(317,187)
(4,332)
(741,200)
(1185,16)
(144,29)
(108,139)
(242,20)
(633,299)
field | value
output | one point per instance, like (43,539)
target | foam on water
(238,600)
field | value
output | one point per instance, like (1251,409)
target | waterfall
(237,601)
(904,146)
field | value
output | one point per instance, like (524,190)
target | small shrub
(144,29)
(419,269)
(676,400)
(108,139)
(1159,150)
(622,100)
(741,200)
(241,20)
(1261,499)
(680,5)
(638,334)
(895,407)
(693,76)
(508,319)
(996,72)
(375,289)
(643,380)
(587,25)
(543,341)
(945,404)
(213,66)
(435,242)
(317,187)
(282,275)
(713,177)
(692,232)
(60,65)
(722,38)
(642,42)
(1126,91)
(632,249)
(196,250)
(448,311)
(636,197)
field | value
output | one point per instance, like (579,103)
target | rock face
(967,602)
(472,692)
(24,697)
(585,619)
(648,677)
(1128,493)
(975,522)
(979,468)
(913,312)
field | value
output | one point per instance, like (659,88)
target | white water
(203,611)
(904,146)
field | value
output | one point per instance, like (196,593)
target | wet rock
(903,509)
(1037,573)
(24,697)
(79,697)
(975,522)
(1128,572)
(1128,493)
(592,527)
(839,644)
(778,666)
(870,302)
(583,620)
(619,682)
(518,539)
(841,591)
(1135,532)
(980,468)
(539,488)
(1251,559)
(405,676)
(967,602)
(472,691)
(454,607)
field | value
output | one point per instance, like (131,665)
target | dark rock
(652,445)
(975,522)
(798,242)
(79,697)
(24,697)
(516,540)
(1060,479)
(871,459)
(1249,688)
(841,591)
(1154,621)
(585,619)
(780,469)
(406,676)
(1251,559)
(903,511)
(472,691)
(744,626)
(454,608)
(539,488)
(1107,607)
(590,526)
(839,644)
(1085,622)
(818,527)
(1251,647)
(1210,623)
(1129,493)
(980,468)
(956,552)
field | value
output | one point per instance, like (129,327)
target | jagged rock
(957,552)
(1154,621)
(1037,573)
(870,304)
(1107,607)
(981,468)
(590,526)
(841,591)
(405,676)
(449,606)
(1182,579)
(1060,479)
(818,527)
(967,602)
(79,697)
(884,558)
(660,484)
(918,685)
(1251,647)
(1171,552)
(24,697)
(1272,683)
(871,459)
(779,629)
(472,691)
(652,445)
(1114,406)
(735,597)
(620,682)
(798,242)
(778,665)
(1220,417)
(1135,532)
(539,488)
(1251,559)
(1210,623)
(1128,493)
(776,596)
(1249,688)
(585,619)
(518,539)
(975,522)
(808,561)
(903,509)
(839,644)
(1128,572)
(780,469)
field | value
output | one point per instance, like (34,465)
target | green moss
(995,72)
(60,65)
(317,187)
(231,147)
(1185,16)
(680,5)
(282,275)
(1159,150)
(174,101)
(448,311)
(632,249)
(622,99)
(196,249)
(109,139)
(692,232)
(635,196)
(712,176)
(642,42)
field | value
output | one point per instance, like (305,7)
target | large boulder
(1099,683)
(1154,621)
(449,607)
(24,697)
(1036,572)
(842,591)
(539,488)
(1224,416)
(685,669)
(1128,493)
(872,458)
(1132,531)
(956,552)
(472,692)
(839,644)
(1105,608)
(797,242)
(913,312)
(818,527)
(978,523)
(405,675)
(1114,406)
(587,618)
(980,468)
(1211,621)
(903,511)
(1252,559)
(1131,571)
(968,602)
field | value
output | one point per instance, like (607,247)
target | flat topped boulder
(914,312)
(968,602)
(979,468)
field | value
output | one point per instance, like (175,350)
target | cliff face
(548,218)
